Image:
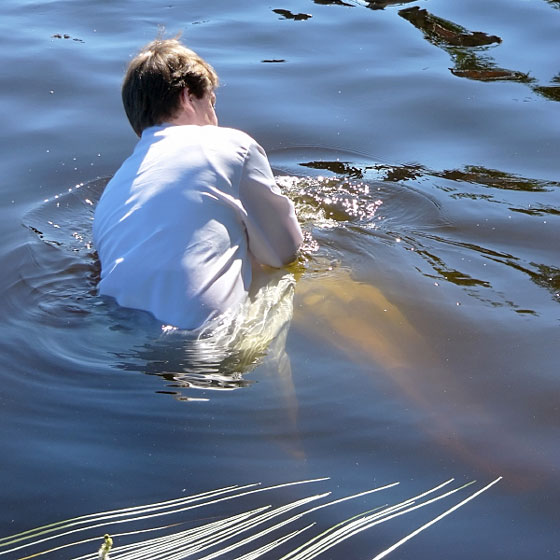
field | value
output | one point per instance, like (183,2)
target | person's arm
(272,227)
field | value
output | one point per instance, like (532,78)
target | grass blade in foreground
(223,533)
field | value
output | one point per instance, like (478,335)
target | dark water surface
(420,143)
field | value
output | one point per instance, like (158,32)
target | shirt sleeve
(272,227)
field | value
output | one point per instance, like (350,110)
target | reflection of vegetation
(286,14)
(444,33)
(381,4)
(545,276)
(496,179)
(339,167)
(550,92)
(391,173)
(457,183)
(454,276)
(333,2)
(335,190)
(539,211)
(473,196)
(481,68)
(463,46)
(395,173)
(475,174)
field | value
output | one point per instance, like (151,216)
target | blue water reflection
(421,336)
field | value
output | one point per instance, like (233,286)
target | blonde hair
(155,79)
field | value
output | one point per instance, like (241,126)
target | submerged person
(186,218)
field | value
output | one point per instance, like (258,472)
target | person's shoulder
(232,134)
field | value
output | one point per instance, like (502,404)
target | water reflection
(449,274)
(444,33)
(286,14)
(465,47)
(473,174)
(333,2)
(339,167)
(61,278)
(382,4)
(355,198)
(353,216)
(545,276)
(219,357)
(537,210)
(467,50)
(496,179)
(550,92)
(416,223)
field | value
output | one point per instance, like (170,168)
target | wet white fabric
(179,224)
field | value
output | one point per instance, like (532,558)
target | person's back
(180,223)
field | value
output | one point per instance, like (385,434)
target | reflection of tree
(475,66)
(537,211)
(466,50)
(462,45)
(427,244)
(545,276)
(451,275)
(444,33)
(338,167)
(382,4)
(476,174)
(333,2)
(496,179)
(550,92)
(395,173)
(286,14)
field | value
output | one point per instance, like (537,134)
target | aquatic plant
(223,534)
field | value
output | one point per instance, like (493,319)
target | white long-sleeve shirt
(179,224)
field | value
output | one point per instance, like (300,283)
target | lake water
(424,340)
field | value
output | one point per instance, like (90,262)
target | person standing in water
(186,218)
